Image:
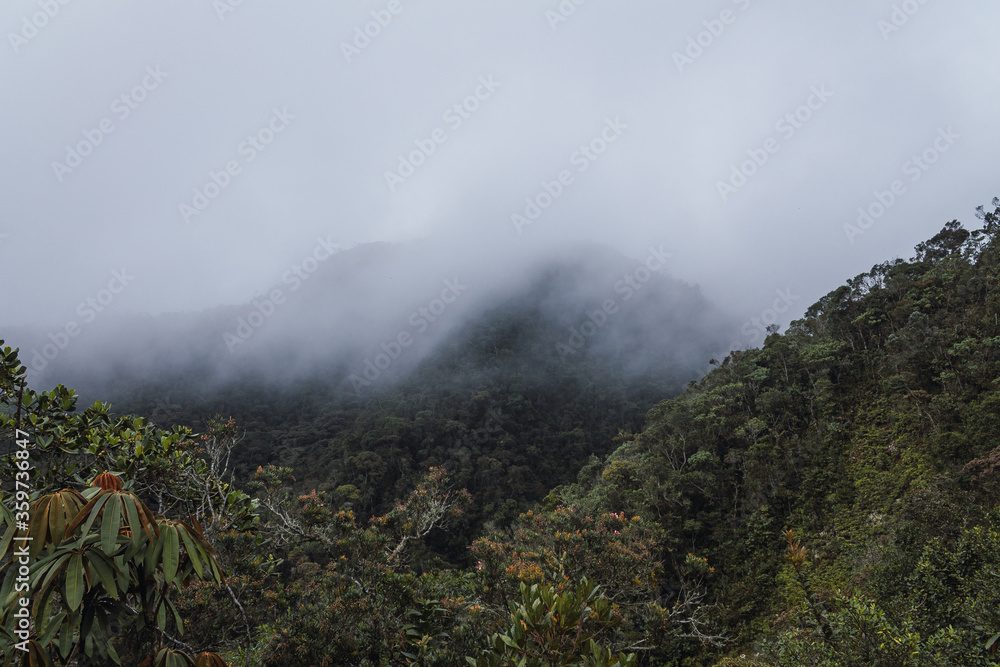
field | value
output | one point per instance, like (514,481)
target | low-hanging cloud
(206,146)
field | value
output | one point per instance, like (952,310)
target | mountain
(362,375)
(841,482)
(351,306)
(827,500)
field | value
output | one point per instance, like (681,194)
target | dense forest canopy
(827,499)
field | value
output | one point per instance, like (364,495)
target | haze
(205,149)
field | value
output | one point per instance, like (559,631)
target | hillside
(869,429)
(506,392)
(827,500)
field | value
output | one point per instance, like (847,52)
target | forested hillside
(498,402)
(829,499)
(842,480)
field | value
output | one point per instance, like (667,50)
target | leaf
(51,628)
(88,513)
(134,523)
(122,573)
(192,553)
(6,588)
(146,516)
(152,557)
(161,616)
(7,539)
(104,573)
(87,624)
(178,621)
(171,553)
(74,582)
(42,597)
(37,655)
(57,518)
(209,660)
(37,525)
(48,570)
(110,526)
(204,548)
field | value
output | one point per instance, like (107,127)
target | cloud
(227,66)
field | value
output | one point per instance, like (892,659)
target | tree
(552,628)
(88,571)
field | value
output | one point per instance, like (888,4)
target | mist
(168,167)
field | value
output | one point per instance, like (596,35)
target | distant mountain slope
(355,305)
(361,378)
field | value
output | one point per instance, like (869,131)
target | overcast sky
(116,115)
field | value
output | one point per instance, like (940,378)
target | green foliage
(564,546)
(869,427)
(353,598)
(865,435)
(97,569)
(497,407)
(552,628)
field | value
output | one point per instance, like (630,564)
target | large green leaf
(42,597)
(171,553)
(110,526)
(89,512)
(38,525)
(132,514)
(105,572)
(153,553)
(192,552)
(121,572)
(161,615)
(74,582)
(52,628)
(48,571)
(178,621)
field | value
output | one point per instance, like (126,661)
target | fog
(188,156)
(361,317)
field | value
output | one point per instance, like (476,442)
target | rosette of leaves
(551,628)
(95,557)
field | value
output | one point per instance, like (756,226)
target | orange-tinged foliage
(107,482)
